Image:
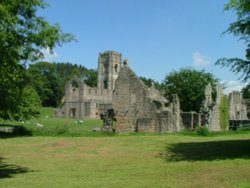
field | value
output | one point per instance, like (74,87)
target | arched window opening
(116,67)
(74,85)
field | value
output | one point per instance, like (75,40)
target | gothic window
(73,112)
(105,83)
(74,85)
(158,104)
(116,67)
(106,68)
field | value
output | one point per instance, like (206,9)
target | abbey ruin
(136,107)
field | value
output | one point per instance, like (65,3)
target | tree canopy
(49,79)
(148,82)
(240,28)
(189,85)
(23,34)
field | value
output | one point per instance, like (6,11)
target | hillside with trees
(49,79)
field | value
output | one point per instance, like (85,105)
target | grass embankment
(52,126)
(73,128)
(135,160)
(126,161)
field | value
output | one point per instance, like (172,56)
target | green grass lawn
(53,126)
(66,154)
(126,161)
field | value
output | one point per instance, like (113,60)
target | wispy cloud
(200,60)
(232,85)
(48,54)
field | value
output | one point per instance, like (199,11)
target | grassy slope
(53,125)
(126,161)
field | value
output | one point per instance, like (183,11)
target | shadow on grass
(8,131)
(207,151)
(8,170)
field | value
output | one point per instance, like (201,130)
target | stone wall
(135,110)
(192,120)
(237,106)
(82,101)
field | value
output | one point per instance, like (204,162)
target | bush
(14,130)
(244,128)
(202,131)
(224,113)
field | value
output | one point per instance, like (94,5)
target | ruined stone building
(138,108)
(237,106)
(82,101)
(209,114)
(214,123)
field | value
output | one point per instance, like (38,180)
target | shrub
(244,128)
(202,131)
(224,113)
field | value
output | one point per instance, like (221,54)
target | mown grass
(53,126)
(126,161)
(66,127)
(66,154)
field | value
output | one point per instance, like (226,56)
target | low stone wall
(191,120)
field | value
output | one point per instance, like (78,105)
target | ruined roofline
(149,89)
(126,67)
(75,78)
(81,82)
(110,52)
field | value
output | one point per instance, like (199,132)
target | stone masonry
(237,106)
(82,101)
(138,110)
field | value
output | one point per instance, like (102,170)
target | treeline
(49,79)
(148,82)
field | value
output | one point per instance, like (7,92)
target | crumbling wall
(82,101)
(214,114)
(237,106)
(135,110)
(192,120)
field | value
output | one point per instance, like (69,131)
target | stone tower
(109,65)
(237,106)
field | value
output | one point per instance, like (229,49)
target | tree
(49,79)
(246,92)
(190,86)
(240,28)
(246,96)
(29,105)
(46,82)
(148,82)
(22,36)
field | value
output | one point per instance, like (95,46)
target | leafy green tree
(246,96)
(49,79)
(148,82)
(46,82)
(189,85)
(23,35)
(68,70)
(240,28)
(91,77)
(29,105)
(246,92)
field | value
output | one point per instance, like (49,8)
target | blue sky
(156,36)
